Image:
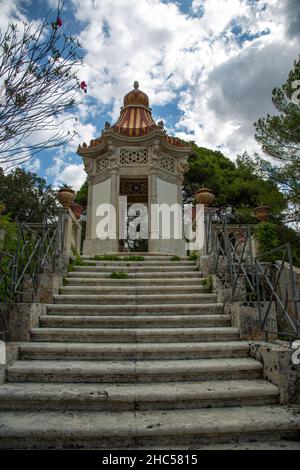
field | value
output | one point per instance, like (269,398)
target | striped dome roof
(135,119)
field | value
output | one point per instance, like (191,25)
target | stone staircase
(145,362)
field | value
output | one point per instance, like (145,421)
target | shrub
(119,275)
(106,258)
(78,261)
(175,258)
(208,283)
(10,229)
(133,258)
(266,234)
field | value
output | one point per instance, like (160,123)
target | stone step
(155,283)
(136,275)
(186,321)
(127,351)
(279,444)
(136,269)
(135,299)
(145,263)
(125,290)
(146,255)
(123,397)
(135,310)
(136,335)
(134,429)
(134,371)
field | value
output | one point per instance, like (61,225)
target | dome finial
(136,85)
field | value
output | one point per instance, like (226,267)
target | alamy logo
(2,90)
(156,222)
(296,353)
(296,94)
(2,353)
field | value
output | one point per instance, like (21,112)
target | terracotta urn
(66,196)
(77,210)
(262,213)
(205,196)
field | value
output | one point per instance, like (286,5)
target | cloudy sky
(208,66)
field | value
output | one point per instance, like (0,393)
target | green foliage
(78,261)
(9,243)
(106,258)
(175,258)
(26,196)
(267,236)
(133,258)
(237,185)
(82,195)
(208,283)
(193,257)
(279,136)
(119,275)
(289,235)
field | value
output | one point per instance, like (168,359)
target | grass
(175,258)
(208,283)
(193,257)
(78,261)
(133,258)
(106,258)
(119,275)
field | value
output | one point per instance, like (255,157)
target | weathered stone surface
(134,371)
(278,367)
(246,318)
(81,429)
(206,265)
(22,318)
(118,397)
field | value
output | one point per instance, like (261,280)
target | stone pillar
(88,232)
(72,233)
(152,199)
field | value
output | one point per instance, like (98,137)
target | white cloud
(194,60)
(33,165)
(226,83)
(64,171)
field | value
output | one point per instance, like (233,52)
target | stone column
(114,194)
(152,199)
(88,232)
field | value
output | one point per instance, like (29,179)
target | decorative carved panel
(88,164)
(134,187)
(102,164)
(134,156)
(166,163)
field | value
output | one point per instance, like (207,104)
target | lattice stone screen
(134,156)
(166,163)
(102,164)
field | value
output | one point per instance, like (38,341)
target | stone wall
(276,358)
(22,318)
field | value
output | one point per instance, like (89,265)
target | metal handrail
(35,249)
(263,280)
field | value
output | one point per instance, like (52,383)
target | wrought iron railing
(266,281)
(38,245)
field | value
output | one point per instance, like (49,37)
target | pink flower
(83,86)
